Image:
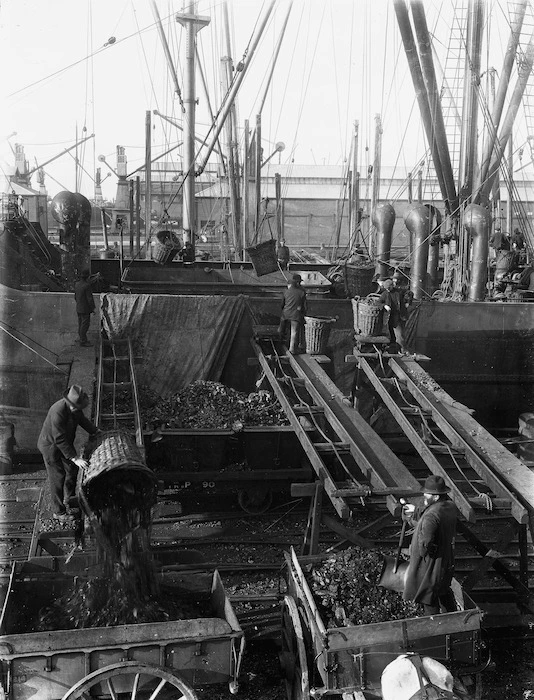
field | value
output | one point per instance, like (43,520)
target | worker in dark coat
(85,306)
(187,254)
(392,299)
(431,567)
(56,444)
(282,254)
(293,312)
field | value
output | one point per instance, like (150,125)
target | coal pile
(211,405)
(346,587)
(103,602)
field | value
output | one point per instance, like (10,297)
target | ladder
(117,397)
(452,86)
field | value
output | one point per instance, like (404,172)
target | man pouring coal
(56,444)
(431,567)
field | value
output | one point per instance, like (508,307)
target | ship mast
(192,23)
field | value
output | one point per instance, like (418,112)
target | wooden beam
(497,551)
(346,533)
(313,527)
(422,448)
(383,469)
(340,505)
(303,490)
(525,596)
(460,434)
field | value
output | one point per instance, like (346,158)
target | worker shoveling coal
(117,493)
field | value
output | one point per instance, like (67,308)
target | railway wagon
(347,662)
(137,661)
(253,463)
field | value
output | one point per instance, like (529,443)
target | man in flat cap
(56,444)
(293,312)
(431,567)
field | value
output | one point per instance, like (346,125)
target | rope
(289,380)
(487,502)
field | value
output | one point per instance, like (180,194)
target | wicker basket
(317,332)
(165,245)
(116,460)
(263,257)
(359,279)
(368,316)
(115,450)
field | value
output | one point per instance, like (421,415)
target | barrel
(117,468)
(317,332)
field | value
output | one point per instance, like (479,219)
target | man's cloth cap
(77,397)
(435,485)
(383,278)
(296,278)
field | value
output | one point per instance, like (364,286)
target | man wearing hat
(431,567)
(85,306)
(282,254)
(392,300)
(293,311)
(56,444)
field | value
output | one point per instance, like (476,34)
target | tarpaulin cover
(179,338)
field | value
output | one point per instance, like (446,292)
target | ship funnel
(383,218)
(433,250)
(477,224)
(418,221)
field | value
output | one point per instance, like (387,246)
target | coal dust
(126,588)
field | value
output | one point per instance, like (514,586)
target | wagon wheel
(293,655)
(132,680)
(255,501)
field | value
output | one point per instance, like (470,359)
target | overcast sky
(96,66)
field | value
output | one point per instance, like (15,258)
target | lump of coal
(346,587)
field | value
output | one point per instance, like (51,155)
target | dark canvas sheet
(179,338)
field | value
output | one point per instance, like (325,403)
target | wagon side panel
(43,677)
(357,655)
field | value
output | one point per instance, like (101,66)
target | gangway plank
(340,504)
(363,476)
(379,458)
(461,501)
(492,462)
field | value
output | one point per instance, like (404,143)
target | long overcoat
(431,566)
(85,303)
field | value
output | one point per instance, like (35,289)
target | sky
(77,67)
